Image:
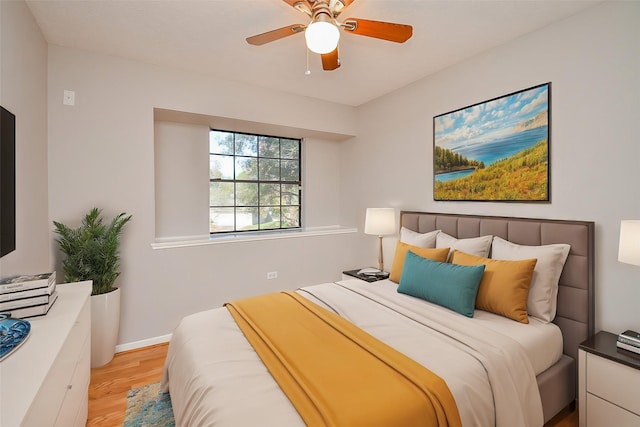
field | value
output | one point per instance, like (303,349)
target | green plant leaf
(92,250)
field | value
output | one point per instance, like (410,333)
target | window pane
(221,194)
(220,142)
(269,170)
(221,219)
(269,194)
(269,147)
(290,194)
(290,148)
(246,219)
(247,168)
(220,167)
(269,218)
(246,194)
(290,170)
(255,182)
(246,145)
(290,216)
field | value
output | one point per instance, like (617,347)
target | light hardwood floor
(132,369)
(110,383)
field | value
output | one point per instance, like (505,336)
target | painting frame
(496,150)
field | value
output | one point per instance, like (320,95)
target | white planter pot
(105,326)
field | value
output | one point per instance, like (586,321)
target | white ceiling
(208,36)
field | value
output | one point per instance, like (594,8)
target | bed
(499,371)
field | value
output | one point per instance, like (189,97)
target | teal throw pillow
(449,285)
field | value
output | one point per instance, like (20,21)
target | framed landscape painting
(497,150)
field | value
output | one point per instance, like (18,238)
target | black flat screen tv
(7,182)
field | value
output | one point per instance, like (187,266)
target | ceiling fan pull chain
(307,71)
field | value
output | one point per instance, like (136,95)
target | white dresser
(609,384)
(46,381)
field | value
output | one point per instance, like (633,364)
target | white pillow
(543,292)
(478,246)
(423,240)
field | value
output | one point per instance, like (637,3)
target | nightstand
(353,274)
(608,383)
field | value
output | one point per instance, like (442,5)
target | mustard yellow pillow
(505,284)
(439,254)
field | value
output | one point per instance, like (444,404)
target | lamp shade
(629,250)
(322,37)
(380,221)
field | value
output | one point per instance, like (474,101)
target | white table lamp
(380,222)
(629,249)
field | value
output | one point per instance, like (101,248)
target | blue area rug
(147,407)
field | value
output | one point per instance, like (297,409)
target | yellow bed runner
(334,373)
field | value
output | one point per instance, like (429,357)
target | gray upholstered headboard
(576,309)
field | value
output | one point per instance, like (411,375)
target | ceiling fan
(323,31)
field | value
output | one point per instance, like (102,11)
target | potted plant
(92,253)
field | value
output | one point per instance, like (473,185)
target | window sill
(183,242)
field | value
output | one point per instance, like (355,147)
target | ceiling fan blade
(330,61)
(273,35)
(398,33)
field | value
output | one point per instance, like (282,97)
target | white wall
(181,180)
(593,63)
(322,182)
(23,91)
(101,153)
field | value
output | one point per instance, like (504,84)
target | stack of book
(630,341)
(27,296)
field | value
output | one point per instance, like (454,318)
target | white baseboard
(143,343)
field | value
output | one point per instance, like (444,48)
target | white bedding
(215,377)
(542,342)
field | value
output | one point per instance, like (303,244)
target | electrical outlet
(272,275)
(69,97)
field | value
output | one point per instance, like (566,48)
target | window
(254,182)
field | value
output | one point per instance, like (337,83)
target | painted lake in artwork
(493,151)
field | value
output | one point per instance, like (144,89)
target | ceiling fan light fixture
(322,33)
(322,37)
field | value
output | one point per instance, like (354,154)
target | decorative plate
(13,332)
